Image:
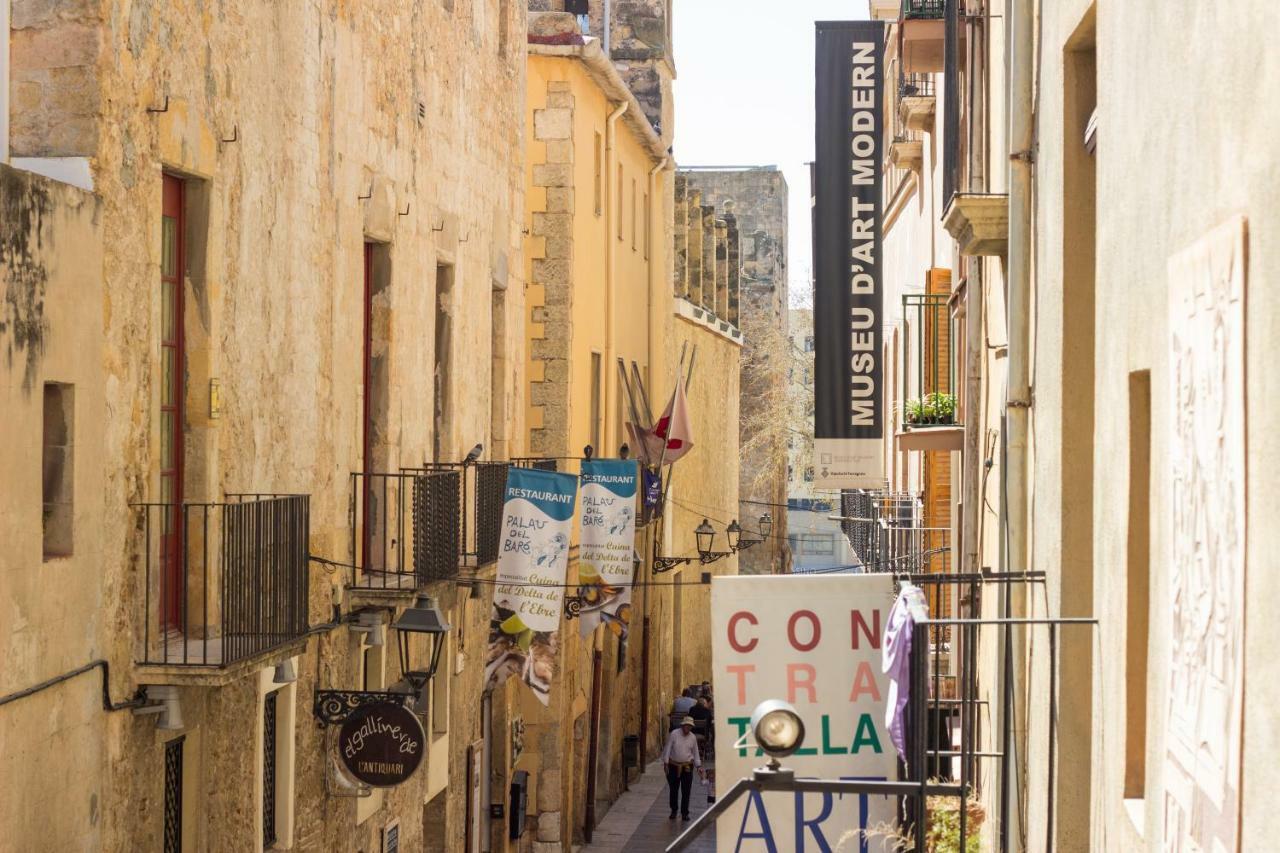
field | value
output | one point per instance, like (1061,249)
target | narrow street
(418,417)
(638,822)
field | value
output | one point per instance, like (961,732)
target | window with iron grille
(173,796)
(269,770)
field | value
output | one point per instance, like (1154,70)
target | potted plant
(944,407)
(932,409)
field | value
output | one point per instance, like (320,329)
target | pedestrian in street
(681,758)
(685,702)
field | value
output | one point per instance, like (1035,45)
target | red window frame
(172,395)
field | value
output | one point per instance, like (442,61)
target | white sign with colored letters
(813,641)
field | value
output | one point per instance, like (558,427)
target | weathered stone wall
(756,200)
(52,301)
(395,126)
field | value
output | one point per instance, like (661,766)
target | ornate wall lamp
(706,537)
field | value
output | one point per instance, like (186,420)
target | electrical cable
(138,700)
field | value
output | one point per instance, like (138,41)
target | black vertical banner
(848,309)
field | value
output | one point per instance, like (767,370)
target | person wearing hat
(681,757)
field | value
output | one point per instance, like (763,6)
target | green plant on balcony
(932,410)
(926,9)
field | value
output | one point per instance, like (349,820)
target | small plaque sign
(381,744)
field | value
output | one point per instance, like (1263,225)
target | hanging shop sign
(381,744)
(606,554)
(848,310)
(524,627)
(813,641)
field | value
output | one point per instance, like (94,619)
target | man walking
(681,757)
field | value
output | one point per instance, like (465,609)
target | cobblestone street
(638,822)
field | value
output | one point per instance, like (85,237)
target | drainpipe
(606,28)
(1020,59)
(4,81)
(593,742)
(655,347)
(655,280)
(610,251)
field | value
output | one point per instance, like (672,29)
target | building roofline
(602,71)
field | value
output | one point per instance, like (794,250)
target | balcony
(224,583)
(979,222)
(404,531)
(921,36)
(483,490)
(929,387)
(916,101)
(877,523)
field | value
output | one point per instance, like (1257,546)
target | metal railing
(923,9)
(914,85)
(404,528)
(966,743)
(884,529)
(928,369)
(535,462)
(963,746)
(482,488)
(223,581)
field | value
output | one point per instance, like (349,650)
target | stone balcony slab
(979,222)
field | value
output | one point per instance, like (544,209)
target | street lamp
(423,618)
(734,532)
(777,728)
(766,525)
(706,536)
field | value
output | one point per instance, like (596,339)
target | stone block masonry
(751,293)
(551,301)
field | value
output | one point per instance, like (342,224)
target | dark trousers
(681,785)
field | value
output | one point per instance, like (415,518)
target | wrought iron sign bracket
(332,707)
(666,564)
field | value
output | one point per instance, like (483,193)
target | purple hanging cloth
(896,663)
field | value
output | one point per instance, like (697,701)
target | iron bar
(241,588)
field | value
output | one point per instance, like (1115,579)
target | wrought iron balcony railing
(223,581)
(928,370)
(914,85)
(404,528)
(884,529)
(482,489)
(535,462)
(923,9)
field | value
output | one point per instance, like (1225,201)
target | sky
(744,96)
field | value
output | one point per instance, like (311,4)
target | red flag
(674,427)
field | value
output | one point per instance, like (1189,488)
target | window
(819,544)
(648,225)
(58,468)
(599,174)
(269,769)
(808,474)
(808,343)
(596,362)
(173,796)
(443,360)
(620,200)
(1138,586)
(440,686)
(172,390)
(634,244)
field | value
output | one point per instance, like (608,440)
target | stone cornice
(611,83)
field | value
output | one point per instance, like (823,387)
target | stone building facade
(599,262)
(752,205)
(242,297)
(1109,384)
(261,283)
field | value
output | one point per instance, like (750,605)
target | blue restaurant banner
(524,629)
(606,556)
